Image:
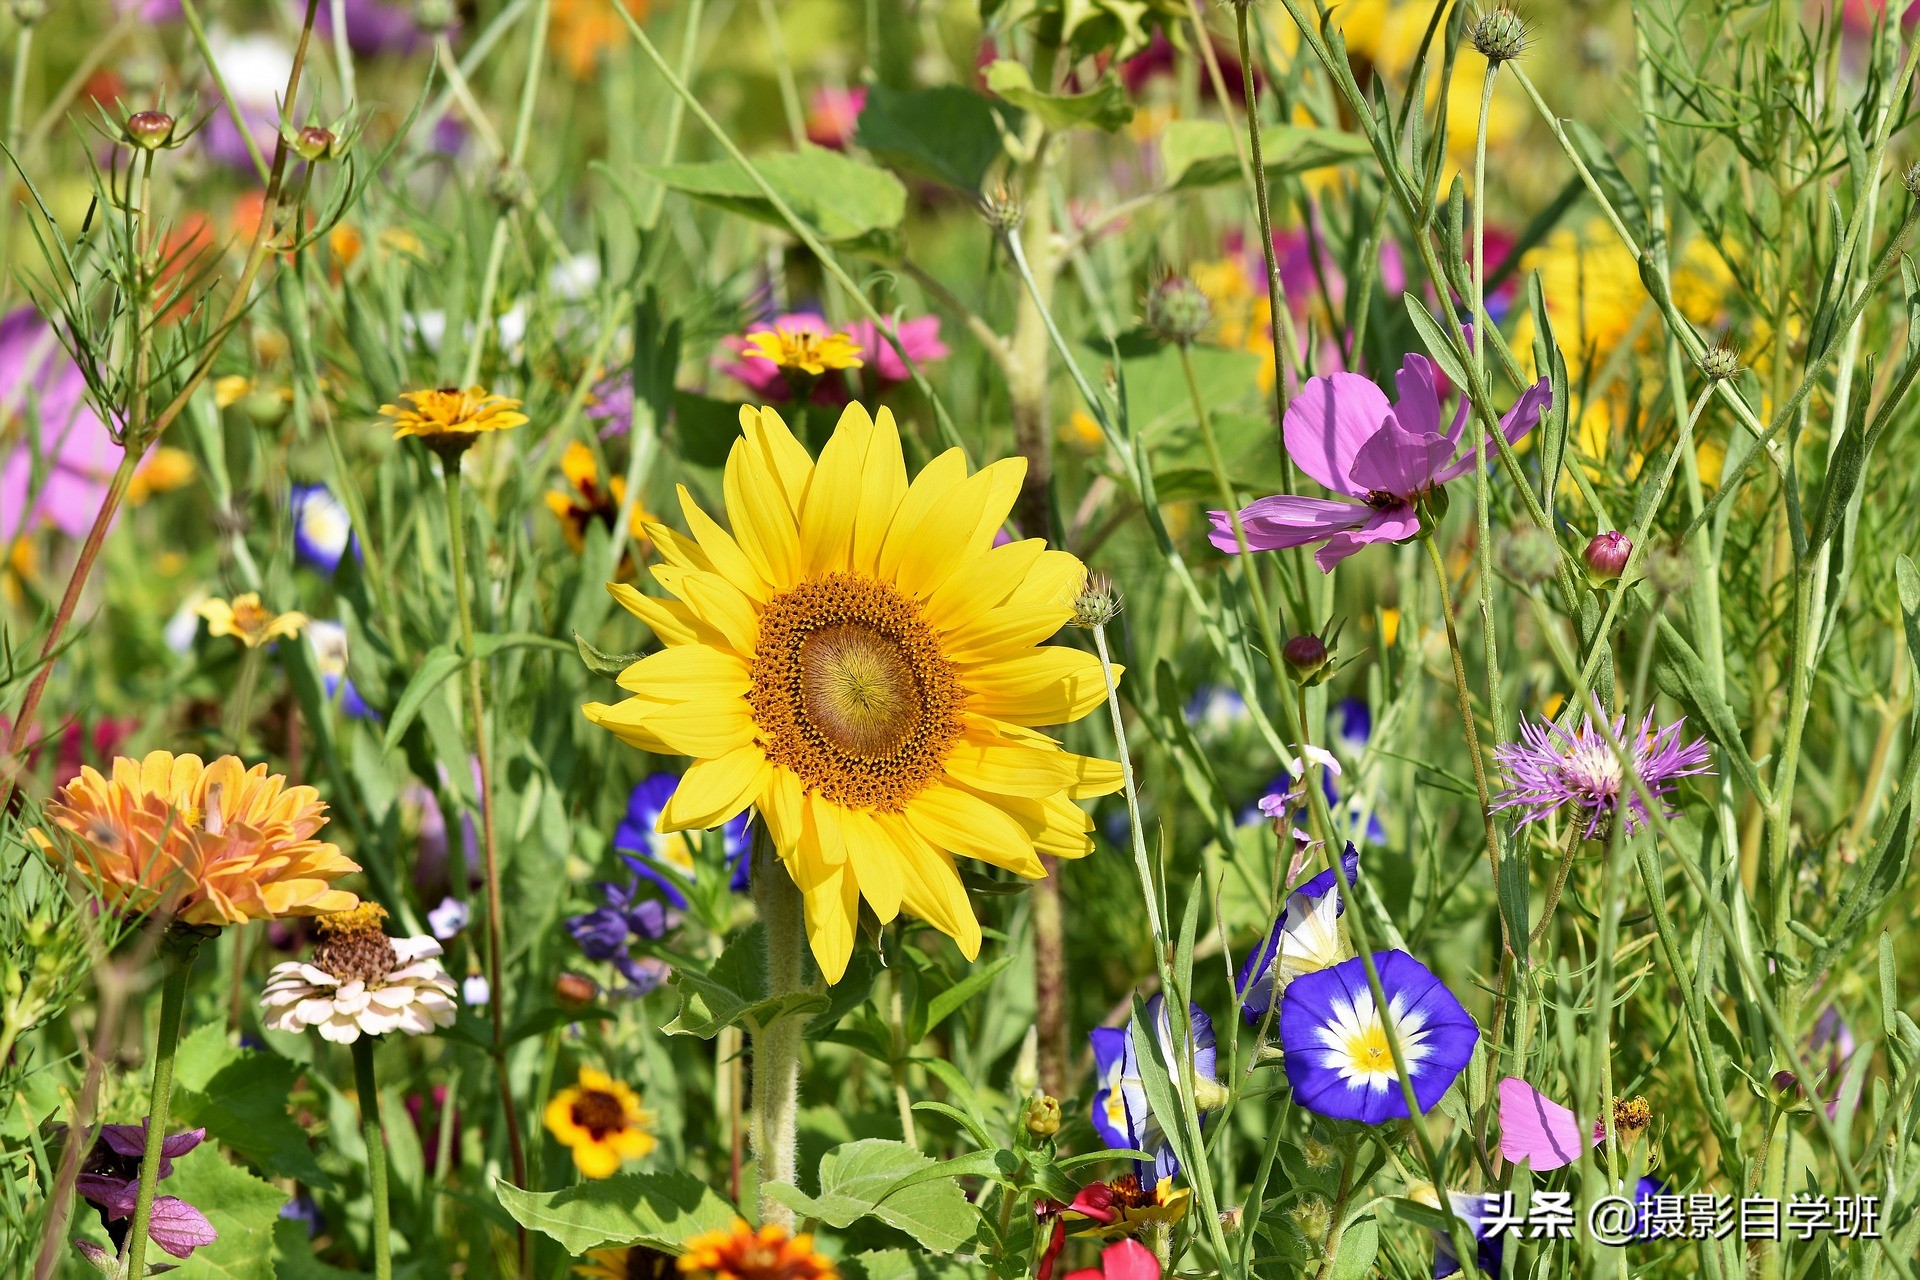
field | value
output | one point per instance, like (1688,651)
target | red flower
(1123,1260)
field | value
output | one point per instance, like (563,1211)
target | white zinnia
(415,997)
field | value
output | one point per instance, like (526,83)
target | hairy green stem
(179,952)
(370,1132)
(776,1046)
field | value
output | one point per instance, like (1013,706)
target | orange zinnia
(741,1253)
(233,843)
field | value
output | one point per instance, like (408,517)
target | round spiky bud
(1720,362)
(1041,1115)
(1911,179)
(1606,556)
(1500,35)
(1312,1218)
(510,187)
(149,130)
(1097,604)
(1669,570)
(1530,554)
(1002,209)
(1177,311)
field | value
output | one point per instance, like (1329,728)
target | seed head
(1720,361)
(1606,556)
(1531,554)
(1041,1116)
(1002,209)
(1097,604)
(1500,35)
(150,130)
(1669,570)
(1177,311)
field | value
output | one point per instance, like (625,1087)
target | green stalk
(1286,341)
(776,1046)
(376,1155)
(180,949)
(783,72)
(1464,696)
(1496,703)
(476,681)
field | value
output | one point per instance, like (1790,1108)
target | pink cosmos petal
(1399,462)
(1392,525)
(1418,408)
(1534,1127)
(178,1227)
(1285,520)
(920,337)
(1519,420)
(1327,424)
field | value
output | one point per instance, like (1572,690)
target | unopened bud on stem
(1606,556)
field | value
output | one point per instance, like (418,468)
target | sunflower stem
(476,675)
(180,950)
(376,1154)
(776,1046)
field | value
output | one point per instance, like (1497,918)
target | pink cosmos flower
(62,479)
(920,337)
(1380,459)
(1535,1128)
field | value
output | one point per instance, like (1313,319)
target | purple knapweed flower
(1380,459)
(1552,768)
(110,1181)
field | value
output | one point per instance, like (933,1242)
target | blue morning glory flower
(1121,1115)
(606,933)
(1473,1211)
(321,530)
(647,849)
(329,640)
(1305,938)
(1335,1042)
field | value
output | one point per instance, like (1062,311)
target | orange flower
(578,31)
(745,1254)
(233,843)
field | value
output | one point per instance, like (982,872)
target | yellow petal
(1004,632)
(1009,770)
(931,886)
(783,809)
(1097,777)
(873,857)
(695,729)
(627,722)
(1003,490)
(982,583)
(719,604)
(960,822)
(883,483)
(722,553)
(934,545)
(833,907)
(686,672)
(1055,685)
(670,620)
(936,481)
(833,495)
(778,453)
(1058,827)
(1056,579)
(714,791)
(763,521)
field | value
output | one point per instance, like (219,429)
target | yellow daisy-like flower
(586,500)
(861,664)
(448,416)
(745,1254)
(796,344)
(248,621)
(601,1121)
(1125,1208)
(233,843)
(635,1262)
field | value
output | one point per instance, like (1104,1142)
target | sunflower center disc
(599,1113)
(851,692)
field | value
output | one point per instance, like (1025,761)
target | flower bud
(1097,604)
(1500,36)
(1720,361)
(1177,311)
(434,16)
(149,130)
(1307,656)
(1911,179)
(1208,1095)
(574,990)
(314,143)
(1670,570)
(510,187)
(1606,556)
(1312,1218)
(1531,554)
(1041,1117)
(28,12)
(1002,209)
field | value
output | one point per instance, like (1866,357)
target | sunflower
(601,1121)
(859,662)
(449,417)
(741,1253)
(248,621)
(635,1262)
(232,842)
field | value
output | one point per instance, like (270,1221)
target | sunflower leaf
(889,1181)
(660,1210)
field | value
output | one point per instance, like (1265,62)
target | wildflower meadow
(959,639)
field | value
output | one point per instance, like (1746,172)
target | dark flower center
(599,1113)
(353,947)
(648,1264)
(1381,500)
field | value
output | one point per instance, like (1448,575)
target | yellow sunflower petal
(1003,490)
(783,807)
(678,549)
(670,620)
(883,483)
(937,479)
(1054,685)
(931,886)
(1056,579)
(714,791)
(960,822)
(763,523)
(778,453)
(874,858)
(689,671)
(1010,770)
(832,499)
(982,583)
(833,905)
(723,554)
(1058,827)
(1004,631)
(718,603)
(684,728)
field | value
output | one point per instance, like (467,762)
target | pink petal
(1392,525)
(1533,1127)
(1328,422)
(1418,408)
(1129,1260)
(1519,420)
(1399,462)
(1285,520)
(178,1227)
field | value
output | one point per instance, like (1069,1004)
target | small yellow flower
(585,500)
(635,1262)
(231,390)
(1129,1209)
(449,416)
(796,344)
(745,1254)
(1081,432)
(248,621)
(161,471)
(601,1121)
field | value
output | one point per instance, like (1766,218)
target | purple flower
(110,1181)
(1552,768)
(255,67)
(1305,938)
(1380,460)
(375,27)
(648,850)
(607,932)
(449,918)
(1121,1115)
(1334,1038)
(58,473)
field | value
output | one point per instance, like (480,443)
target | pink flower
(920,337)
(1380,459)
(1535,1128)
(1122,1260)
(58,477)
(833,114)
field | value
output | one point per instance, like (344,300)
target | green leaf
(842,200)
(941,1006)
(602,663)
(1359,1245)
(293,1256)
(734,992)
(1204,153)
(1106,108)
(950,134)
(660,1210)
(440,662)
(877,1178)
(704,429)
(240,1096)
(241,1207)
(1435,340)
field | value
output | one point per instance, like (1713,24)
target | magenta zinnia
(1553,768)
